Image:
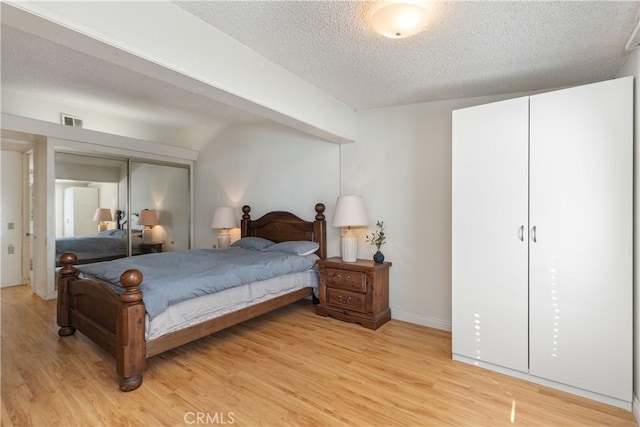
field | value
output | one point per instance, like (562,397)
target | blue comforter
(97,243)
(171,277)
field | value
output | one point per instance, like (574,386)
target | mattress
(173,277)
(197,310)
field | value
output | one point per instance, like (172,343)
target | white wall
(632,68)
(43,219)
(402,168)
(269,167)
(48,110)
(107,198)
(11,212)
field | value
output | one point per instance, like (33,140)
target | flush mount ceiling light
(399,20)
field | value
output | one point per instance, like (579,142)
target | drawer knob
(339,277)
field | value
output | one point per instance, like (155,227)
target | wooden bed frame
(117,322)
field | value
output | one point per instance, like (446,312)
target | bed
(104,246)
(119,322)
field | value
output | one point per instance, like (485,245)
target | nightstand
(151,248)
(354,291)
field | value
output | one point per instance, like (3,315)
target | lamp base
(224,240)
(102,227)
(147,236)
(349,247)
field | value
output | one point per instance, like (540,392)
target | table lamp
(224,218)
(349,212)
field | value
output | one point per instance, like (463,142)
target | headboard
(280,226)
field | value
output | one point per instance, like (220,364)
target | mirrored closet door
(109,208)
(91,196)
(160,206)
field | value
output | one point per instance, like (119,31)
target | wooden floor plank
(289,367)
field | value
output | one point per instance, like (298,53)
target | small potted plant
(377,239)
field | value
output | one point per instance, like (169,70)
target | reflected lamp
(148,218)
(102,215)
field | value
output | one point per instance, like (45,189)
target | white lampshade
(102,214)
(399,20)
(224,218)
(350,212)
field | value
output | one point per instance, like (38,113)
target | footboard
(115,322)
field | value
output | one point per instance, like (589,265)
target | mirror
(92,216)
(90,197)
(160,196)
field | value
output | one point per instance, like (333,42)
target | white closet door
(581,250)
(490,209)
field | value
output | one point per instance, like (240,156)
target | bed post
(130,343)
(246,218)
(320,234)
(320,230)
(66,274)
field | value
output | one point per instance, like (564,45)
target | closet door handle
(534,236)
(521,233)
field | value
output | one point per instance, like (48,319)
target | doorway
(16,220)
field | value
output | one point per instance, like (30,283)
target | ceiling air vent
(68,120)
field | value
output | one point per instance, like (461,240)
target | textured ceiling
(469,49)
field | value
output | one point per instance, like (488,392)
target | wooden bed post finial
(320,230)
(320,211)
(130,280)
(67,260)
(246,218)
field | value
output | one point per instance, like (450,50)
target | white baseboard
(421,320)
(635,408)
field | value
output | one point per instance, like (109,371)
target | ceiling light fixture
(399,20)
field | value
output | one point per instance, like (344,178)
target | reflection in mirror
(90,196)
(160,196)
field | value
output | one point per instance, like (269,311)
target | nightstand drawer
(349,280)
(345,299)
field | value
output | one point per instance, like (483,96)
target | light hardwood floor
(289,367)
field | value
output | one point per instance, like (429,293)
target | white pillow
(299,247)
